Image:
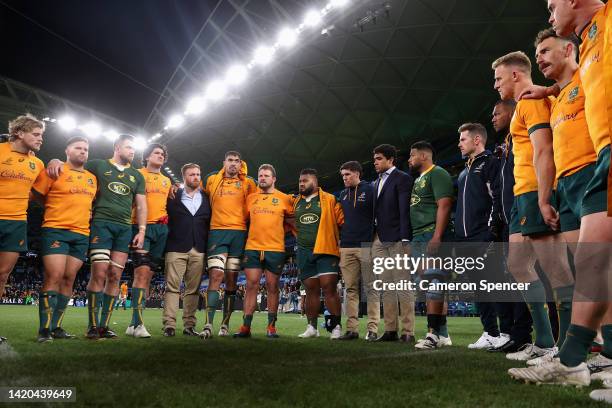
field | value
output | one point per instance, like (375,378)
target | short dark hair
(232,153)
(77,139)
(387,150)
(551,33)
(353,166)
(309,172)
(423,145)
(508,103)
(149,149)
(122,138)
(475,129)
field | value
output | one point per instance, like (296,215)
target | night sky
(142,38)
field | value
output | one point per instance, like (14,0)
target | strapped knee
(434,277)
(233,264)
(141,259)
(216,262)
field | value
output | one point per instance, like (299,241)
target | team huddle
(546,186)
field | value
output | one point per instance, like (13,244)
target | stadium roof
(392,71)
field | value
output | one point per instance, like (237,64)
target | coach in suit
(189,220)
(392,235)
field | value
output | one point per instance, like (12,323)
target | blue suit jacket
(392,207)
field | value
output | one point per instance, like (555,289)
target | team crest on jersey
(422,183)
(8,161)
(573,94)
(90,182)
(164,183)
(32,166)
(593,31)
(309,218)
(238,184)
(275,201)
(119,188)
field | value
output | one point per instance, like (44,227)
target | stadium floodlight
(67,123)
(312,18)
(338,3)
(236,75)
(111,135)
(194,106)
(91,130)
(175,121)
(216,90)
(263,55)
(287,37)
(140,143)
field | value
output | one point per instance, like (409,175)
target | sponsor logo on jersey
(309,218)
(119,188)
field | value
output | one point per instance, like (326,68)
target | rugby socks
(564,310)
(93,307)
(228,305)
(443,329)
(46,303)
(606,333)
(247,320)
(138,298)
(313,321)
(61,301)
(212,301)
(108,301)
(535,298)
(272,320)
(576,346)
(434,322)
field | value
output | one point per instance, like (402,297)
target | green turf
(289,371)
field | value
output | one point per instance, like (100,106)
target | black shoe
(349,335)
(106,333)
(93,333)
(59,333)
(407,338)
(371,336)
(511,347)
(170,332)
(44,336)
(188,331)
(388,336)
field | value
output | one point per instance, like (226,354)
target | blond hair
(516,59)
(24,123)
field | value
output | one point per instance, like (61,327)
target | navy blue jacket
(506,178)
(186,231)
(392,207)
(358,206)
(478,198)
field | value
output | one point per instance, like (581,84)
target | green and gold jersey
(117,190)
(307,219)
(435,183)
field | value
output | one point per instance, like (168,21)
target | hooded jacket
(358,207)
(332,217)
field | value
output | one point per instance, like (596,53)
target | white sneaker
(531,351)
(502,340)
(546,358)
(553,372)
(129,331)
(445,341)
(336,332)
(484,342)
(604,395)
(430,342)
(223,331)
(141,332)
(310,332)
(607,382)
(206,332)
(600,367)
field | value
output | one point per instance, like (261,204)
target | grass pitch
(224,372)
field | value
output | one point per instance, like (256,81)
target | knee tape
(233,264)
(141,259)
(216,261)
(434,276)
(99,255)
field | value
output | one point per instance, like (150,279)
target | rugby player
(317,218)
(534,221)
(157,187)
(119,187)
(590,21)
(430,208)
(65,235)
(19,170)
(267,211)
(227,191)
